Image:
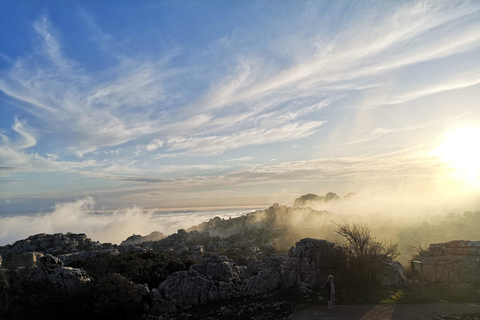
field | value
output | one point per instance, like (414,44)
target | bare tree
(364,255)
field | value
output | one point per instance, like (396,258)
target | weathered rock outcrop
(454,261)
(217,278)
(310,262)
(263,275)
(67,258)
(393,274)
(52,243)
(51,268)
(28,259)
(309,199)
(138,239)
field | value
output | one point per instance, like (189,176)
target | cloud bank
(81,216)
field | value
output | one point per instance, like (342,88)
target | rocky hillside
(315,200)
(249,267)
(138,239)
(55,244)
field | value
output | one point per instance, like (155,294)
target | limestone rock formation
(307,264)
(309,199)
(310,262)
(51,268)
(263,275)
(28,259)
(52,243)
(217,278)
(67,258)
(393,274)
(138,239)
(454,261)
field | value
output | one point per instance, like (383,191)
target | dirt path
(386,311)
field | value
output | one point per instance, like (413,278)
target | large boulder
(392,274)
(217,278)
(310,262)
(51,268)
(219,268)
(189,288)
(263,275)
(28,259)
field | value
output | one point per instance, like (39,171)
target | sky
(182,104)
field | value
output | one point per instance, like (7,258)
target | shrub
(140,267)
(364,256)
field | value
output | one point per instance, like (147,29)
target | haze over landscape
(131,108)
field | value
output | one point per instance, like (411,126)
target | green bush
(140,267)
(111,295)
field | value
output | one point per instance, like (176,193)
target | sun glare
(461,149)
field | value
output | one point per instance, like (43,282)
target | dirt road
(386,311)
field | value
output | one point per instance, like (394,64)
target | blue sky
(227,103)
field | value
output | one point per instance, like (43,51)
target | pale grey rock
(67,258)
(310,261)
(263,275)
(219,268)
(69,279)
(51,268)
(251,250)
(454,261)
(197,249)
(50,243)
(28,259)
(138,239)
(188,288)
(393,274)
(143,289)
(217,278)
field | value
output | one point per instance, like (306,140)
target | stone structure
(310,262)
(454,261)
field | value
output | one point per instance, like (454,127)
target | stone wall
(454,261)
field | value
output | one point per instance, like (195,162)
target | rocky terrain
(240,268)
(55,244)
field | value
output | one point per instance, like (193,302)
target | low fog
(80,217)
(412,221)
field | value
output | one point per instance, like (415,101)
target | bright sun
(461,149)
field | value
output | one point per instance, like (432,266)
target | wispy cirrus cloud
(219,144)
(173,117)
(98,110)
(352,60)
(382,131)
